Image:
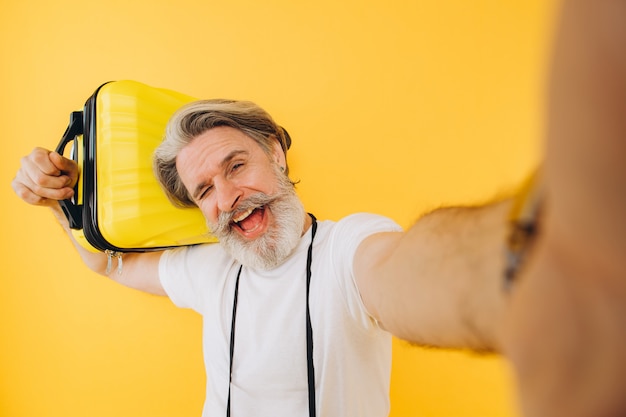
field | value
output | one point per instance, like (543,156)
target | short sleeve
(348,235)
(189,274)
(178,285)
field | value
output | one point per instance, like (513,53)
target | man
(273,343)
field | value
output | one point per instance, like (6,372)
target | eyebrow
(201,186)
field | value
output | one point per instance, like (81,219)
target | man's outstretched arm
(441,282)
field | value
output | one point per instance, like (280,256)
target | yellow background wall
(395,107)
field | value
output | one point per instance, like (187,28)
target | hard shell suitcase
(119,205)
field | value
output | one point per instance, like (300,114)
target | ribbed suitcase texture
(120,206)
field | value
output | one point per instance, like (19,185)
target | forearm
(96,261)
(139,271)
(443,279)
(586,144)
(566,328)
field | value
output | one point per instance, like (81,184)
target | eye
(235,167)
(205,192)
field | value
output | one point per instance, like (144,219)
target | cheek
(267,181)
(209,210)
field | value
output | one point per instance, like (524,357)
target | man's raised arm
(46,177)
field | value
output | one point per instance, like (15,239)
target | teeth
(242,215)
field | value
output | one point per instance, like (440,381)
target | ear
(278,155)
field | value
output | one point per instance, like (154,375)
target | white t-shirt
(351,353)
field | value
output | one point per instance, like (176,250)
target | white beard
(278,242)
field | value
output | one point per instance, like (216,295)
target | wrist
(523,226)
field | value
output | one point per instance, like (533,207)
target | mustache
(225,218)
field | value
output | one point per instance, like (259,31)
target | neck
(307,223)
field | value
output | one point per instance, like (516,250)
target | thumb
(67,166)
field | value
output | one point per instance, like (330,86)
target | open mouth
(249,220)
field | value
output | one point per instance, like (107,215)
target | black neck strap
(309,329)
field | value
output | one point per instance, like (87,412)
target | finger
(38,171)
(67,166)
(39,159)
(32,194)
(38,179)
(42,186)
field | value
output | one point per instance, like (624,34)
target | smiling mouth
(243,215)
(249,220)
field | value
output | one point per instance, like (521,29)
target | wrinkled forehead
(213,145)
(210,152)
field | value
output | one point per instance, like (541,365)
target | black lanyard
(309,329)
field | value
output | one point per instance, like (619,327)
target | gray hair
(195,118)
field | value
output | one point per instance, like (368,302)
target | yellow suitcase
(119,206)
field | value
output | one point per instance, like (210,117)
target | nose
(228,194)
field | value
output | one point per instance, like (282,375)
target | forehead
(209,150)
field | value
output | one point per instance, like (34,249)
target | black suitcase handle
(72,211)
